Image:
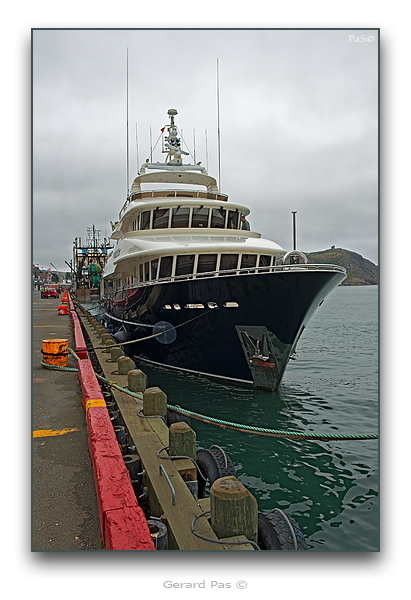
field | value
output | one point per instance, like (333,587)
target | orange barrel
(63,309)
(55,352)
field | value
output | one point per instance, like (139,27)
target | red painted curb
(122,521)
(121,526)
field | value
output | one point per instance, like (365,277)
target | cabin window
(248,261)
(166,266)
(233,219)
(200,217)
(206,263)
(146,271)
(228,261)
(145,220)
(141,271)
(160,218)
(154,268)
(264,261)
(180,216)
(218,218)
(185,264)
(133,226)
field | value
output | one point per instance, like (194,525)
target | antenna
(138,161)
(194,145)
(128,156)
(206,145)
(218,128)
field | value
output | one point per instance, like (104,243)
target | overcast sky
(298,120)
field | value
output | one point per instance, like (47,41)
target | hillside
(360,271)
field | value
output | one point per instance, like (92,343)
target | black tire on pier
(274,532)
(175,417)
(213,464)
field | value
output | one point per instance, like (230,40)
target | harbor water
(329,487)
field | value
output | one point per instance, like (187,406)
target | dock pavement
(64,505)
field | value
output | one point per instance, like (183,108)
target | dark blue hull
(251,342)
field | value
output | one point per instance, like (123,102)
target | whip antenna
(218,128)
(128,152)
(138,161)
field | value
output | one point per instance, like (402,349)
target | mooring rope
(277,433)
(149,337)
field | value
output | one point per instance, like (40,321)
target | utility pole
(294,212)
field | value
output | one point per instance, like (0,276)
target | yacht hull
(251,342)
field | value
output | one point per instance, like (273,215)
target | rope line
(149,337)
(279,433)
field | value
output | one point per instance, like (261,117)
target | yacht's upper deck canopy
(175,174)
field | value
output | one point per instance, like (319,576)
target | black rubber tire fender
(175,417)
(274,532)
(212,464)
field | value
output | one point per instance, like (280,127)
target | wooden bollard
(109,343)
(115,354)
(136,380)
(234,510)
(154,402)
(125,364)
(182,440)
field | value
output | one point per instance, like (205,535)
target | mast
(218,129)
(128,154)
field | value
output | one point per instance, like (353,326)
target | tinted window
(180,216)
(166,265)
(154,268)
(248,260)
(185,264)
(160,218)
(141,272)
(146,271)
(218,218)
(228,261)
(200,217)
(233,219)
(145,219)
(206,263)
(265,260)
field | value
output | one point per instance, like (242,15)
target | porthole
(231,305)
(176,307)
(167,306)
(212,304)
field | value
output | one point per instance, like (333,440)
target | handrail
(233,272)
(166,195)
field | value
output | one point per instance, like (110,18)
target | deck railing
(169,194)
(234,272)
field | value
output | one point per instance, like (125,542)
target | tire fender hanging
(212,464)
(278,531)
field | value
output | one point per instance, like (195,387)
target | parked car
(51,292)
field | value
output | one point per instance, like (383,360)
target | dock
(77,458)
(64,505)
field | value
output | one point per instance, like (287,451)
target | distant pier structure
(89,259)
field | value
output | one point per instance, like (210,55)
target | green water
(330,488)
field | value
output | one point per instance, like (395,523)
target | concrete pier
(64,505)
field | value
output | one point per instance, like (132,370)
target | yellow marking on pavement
(52,432)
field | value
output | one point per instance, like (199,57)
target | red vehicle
(51,292)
